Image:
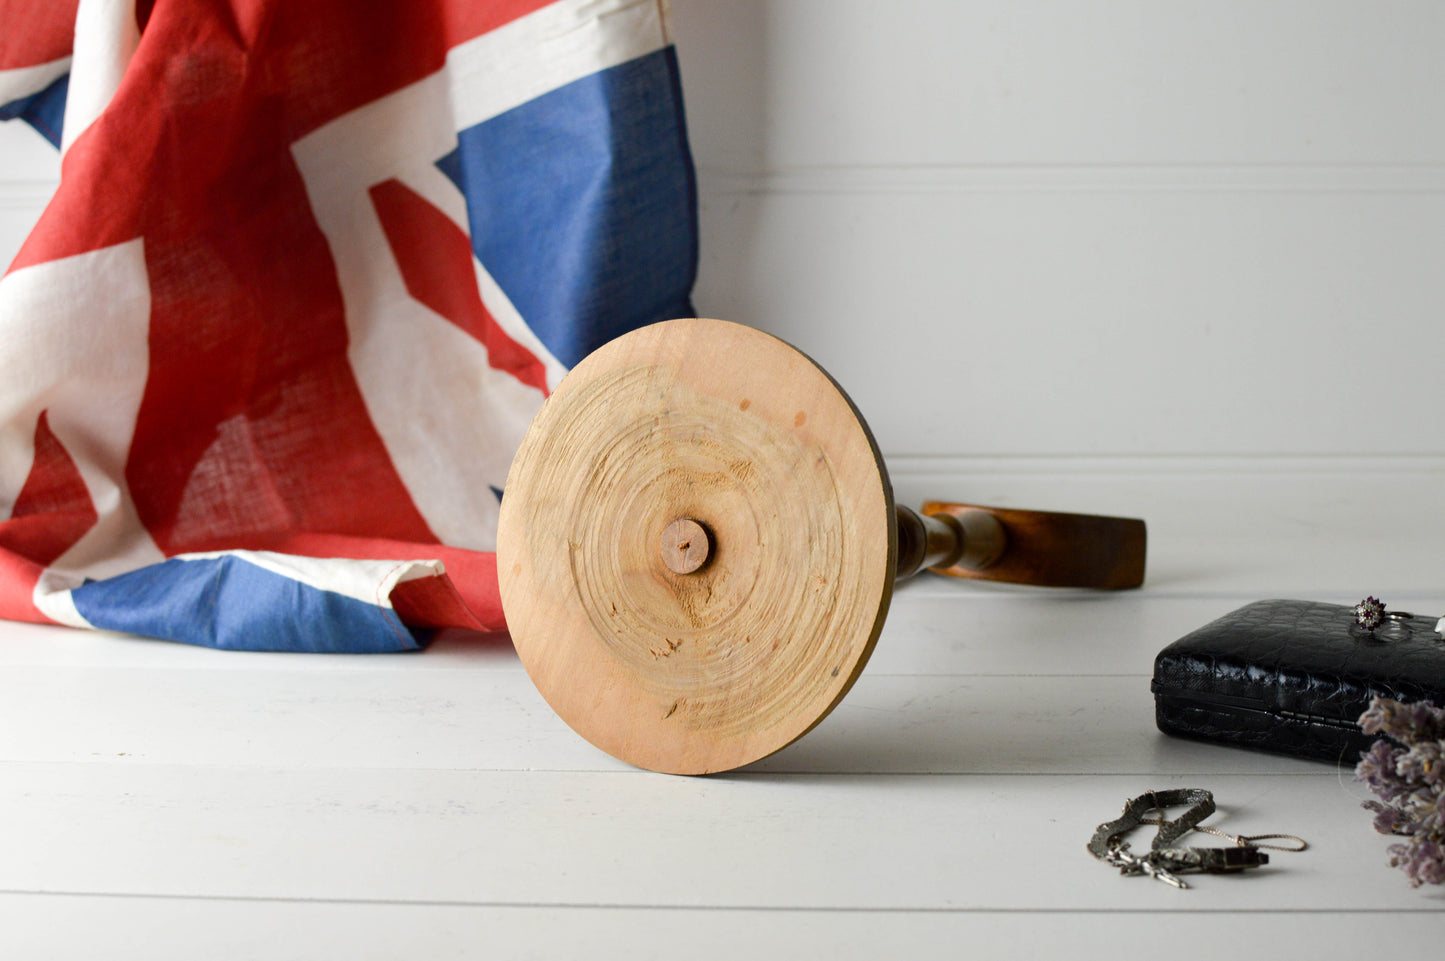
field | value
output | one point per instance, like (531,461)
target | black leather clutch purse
(1293,677)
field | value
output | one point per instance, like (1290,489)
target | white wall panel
(25,155)
(805,82)
(1088,321)
(1120,228)
(29,169)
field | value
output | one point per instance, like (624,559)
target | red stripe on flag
(53,509)
(36,31)
(472,573)
(432,602)
(463,21)
(19,577)
(435,259)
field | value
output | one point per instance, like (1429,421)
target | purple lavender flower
(1377,768)
(1387,819)
(1428,864)
(1409,779)
(1407,723)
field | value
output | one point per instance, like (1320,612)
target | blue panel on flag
(583,206)
(44,110)
(228,602)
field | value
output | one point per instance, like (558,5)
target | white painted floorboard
(159,801)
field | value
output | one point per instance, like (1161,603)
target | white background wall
(1114,229)
(29,169)
(1044,236)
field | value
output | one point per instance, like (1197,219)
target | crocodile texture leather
(1292,677)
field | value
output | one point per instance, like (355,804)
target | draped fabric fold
(309,271)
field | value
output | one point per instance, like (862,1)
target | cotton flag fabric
(311,268)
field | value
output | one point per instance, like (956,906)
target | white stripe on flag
(443,194)
(547,49)
(368,581)
(106,37)
(449,421)
(82,324)
(407,359)
(20,82)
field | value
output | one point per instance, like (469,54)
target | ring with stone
(1371,613)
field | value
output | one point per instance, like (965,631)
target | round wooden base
(669,653)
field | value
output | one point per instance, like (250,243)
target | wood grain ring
(708,670)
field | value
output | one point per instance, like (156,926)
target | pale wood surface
(161,801)
(704,671)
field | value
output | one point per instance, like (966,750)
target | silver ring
(1371,613)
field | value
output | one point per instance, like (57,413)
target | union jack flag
(310,269)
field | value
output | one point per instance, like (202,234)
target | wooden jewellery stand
(698,545)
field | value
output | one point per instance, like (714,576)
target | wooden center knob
(685,546)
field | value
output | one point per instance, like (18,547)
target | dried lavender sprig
(1377,770)
(1422,861)
(1422,764)
(1409,778)
(1406,723)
